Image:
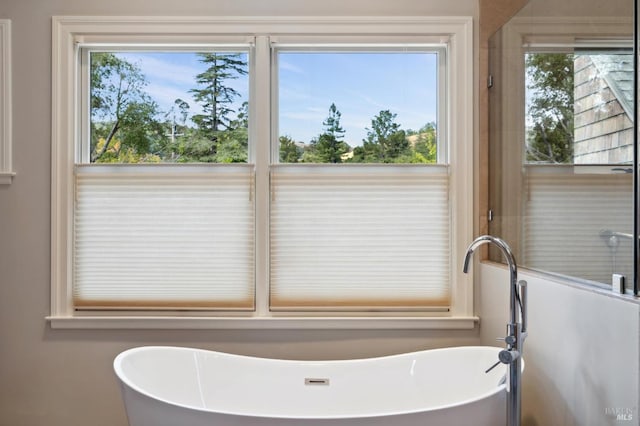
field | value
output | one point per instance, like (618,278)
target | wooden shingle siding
(603,130)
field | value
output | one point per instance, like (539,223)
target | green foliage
(183,107)
(215,95)
(329,146)
(121,110)
(124,117)
(385,143)
(233,146)
(290,152)
(550,80)
(192,147)
(425,146)
(125,127)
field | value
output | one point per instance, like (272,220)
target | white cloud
(156,69)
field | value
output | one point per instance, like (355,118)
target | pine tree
(329,147)
(215,95)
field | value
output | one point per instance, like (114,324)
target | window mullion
(260,137)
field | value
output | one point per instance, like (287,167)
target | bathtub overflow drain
(316,382)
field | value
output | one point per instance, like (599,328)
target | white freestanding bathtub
(170,386)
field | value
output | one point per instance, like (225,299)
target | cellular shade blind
(362,238)
(163,236)
(569,215)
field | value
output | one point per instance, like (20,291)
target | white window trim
(6,170)
(68,32)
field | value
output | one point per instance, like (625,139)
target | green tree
(233,143)
(329,146)
(426,144)
(386,142)
(216,96)
(289,150)
(550,109)
(121,111)
(332,125)
(183,107)
(193,147)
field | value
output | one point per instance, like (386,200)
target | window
(360,215)
(162,218)
(6,171)
(208,182)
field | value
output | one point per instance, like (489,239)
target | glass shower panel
(561,143)
(578,160)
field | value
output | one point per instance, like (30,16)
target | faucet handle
(493,366)
(509,340)
(507,357)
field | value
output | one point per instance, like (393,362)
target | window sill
(168,322)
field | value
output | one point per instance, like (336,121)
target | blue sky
(171,75)
(360,84)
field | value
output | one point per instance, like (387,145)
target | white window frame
(6,168)
(69,32)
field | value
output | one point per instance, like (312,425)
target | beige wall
(582,355)
(64,377)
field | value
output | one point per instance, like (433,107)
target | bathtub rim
(124,381)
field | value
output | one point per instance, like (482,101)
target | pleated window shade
(568,217)
(164,237)
(371,237)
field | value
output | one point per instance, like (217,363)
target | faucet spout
(489,239)
(511,263)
